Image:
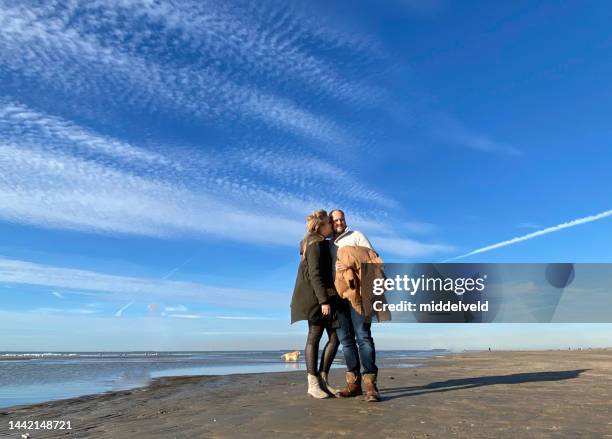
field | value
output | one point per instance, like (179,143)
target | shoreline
(164,379)
(480,394)
(101,384)
(153,381)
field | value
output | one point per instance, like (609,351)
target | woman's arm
(313,257)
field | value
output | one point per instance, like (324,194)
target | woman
(314,299)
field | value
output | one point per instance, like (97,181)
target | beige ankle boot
(326,386)
(314,388)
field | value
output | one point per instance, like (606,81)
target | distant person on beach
(355,326)
(315,300)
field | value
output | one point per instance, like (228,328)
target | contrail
(573,223)
(164,277)
(175,269)
(118,313)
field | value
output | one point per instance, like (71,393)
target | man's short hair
(337,210)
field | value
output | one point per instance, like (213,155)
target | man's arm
(361,240)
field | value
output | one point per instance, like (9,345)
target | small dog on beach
(291,356)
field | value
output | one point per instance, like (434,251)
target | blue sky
(158,158)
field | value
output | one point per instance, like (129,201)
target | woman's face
(326,228)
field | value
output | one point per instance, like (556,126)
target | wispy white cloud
(55,190)
(553,229)
(248,333)
(57,294)
(63,311)
(192,60)
(93,304)
(252,37)
(179,308)
(52,189)
(69,53)
(408,247)
(418,227)
(185,316)
(55,331)
(448,129)
(246,318)
(134,288)
(306,170)
(46,186)
(43,185)
(23,124)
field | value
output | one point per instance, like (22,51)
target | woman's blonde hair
(315,220)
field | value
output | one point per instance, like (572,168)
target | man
(355,328)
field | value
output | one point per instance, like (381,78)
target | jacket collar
(342,235)
(310,238)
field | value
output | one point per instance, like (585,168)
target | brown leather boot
(372,394)
(353,386)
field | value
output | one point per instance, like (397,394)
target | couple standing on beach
(328,296)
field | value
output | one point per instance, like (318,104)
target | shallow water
(27,378)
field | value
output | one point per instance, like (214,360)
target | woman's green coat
(314,284)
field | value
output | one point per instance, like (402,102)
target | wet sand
(486,394)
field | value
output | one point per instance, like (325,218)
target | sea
(34,377)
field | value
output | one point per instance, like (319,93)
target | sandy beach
(484,394)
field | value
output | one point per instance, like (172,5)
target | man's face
(339,222)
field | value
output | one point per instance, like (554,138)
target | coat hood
(309,238)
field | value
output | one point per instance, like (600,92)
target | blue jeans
(355,330)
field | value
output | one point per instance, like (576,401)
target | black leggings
(315,332)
